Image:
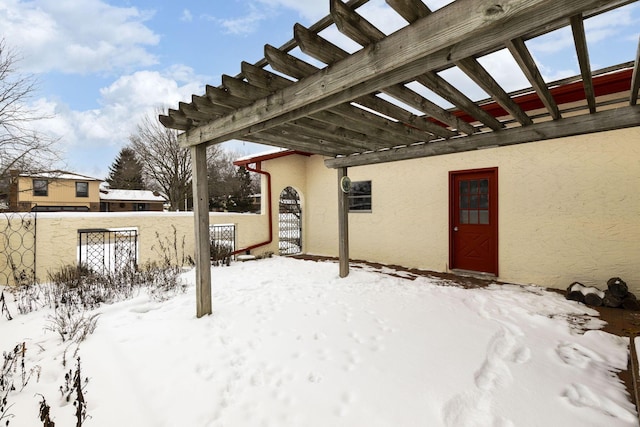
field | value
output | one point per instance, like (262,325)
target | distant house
(54,191)
(114,200)
(63,191)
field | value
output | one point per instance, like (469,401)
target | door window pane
(484,217)
(474,201)
(484,186)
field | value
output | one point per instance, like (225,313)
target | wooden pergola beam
(476,72)
(412,10)
(524,59)
(635,78)
(325,51)
(349,141)
(379,130)
(357,28)
(402,55)
(294,67)
(570,126)
(580,41)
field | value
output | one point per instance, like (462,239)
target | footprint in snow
(576,355)
(582,396)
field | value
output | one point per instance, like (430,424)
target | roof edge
(269,156)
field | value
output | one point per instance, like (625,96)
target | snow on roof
(61,175)
(267,155)
(130,195)
(262,153)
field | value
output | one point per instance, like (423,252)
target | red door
(473,231)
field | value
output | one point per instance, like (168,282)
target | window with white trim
(360,196)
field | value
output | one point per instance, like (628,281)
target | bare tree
(230,187)
(21,147)
(166,166)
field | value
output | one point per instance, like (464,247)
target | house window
(40,187)
(82,189)
(360,196)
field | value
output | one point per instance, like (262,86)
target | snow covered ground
(291,344)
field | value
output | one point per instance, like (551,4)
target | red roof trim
(270,156)
(605,84)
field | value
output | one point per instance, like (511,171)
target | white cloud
(505,70)
(77,37)
(242,25)
(310,10)
(85,136)
(186,16)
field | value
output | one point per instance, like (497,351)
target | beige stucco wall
(57,237)
(289,171)
(569,209)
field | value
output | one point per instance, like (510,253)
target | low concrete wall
(57,234)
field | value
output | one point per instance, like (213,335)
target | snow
(585,290)
(291,344)
(135,195)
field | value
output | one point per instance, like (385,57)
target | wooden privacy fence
(106,240)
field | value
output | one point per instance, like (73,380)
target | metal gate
(108,250)
(223,243)
(17,248)
(290,222)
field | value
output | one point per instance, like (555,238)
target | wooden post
(343,225)
(201,229)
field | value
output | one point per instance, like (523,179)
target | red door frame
(493,212)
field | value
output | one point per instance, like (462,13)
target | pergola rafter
(368,106)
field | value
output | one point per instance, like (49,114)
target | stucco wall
(57,234)
(569,209)
(285,172)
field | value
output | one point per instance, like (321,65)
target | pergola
(362,108)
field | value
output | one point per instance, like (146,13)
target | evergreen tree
(126,171)
(242,191)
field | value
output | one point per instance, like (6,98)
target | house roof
(114,195)
(59,174)
(267,155)
(363,107)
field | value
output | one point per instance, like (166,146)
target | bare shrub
(75,384)
(72,323)
(4,310)
(220,253)
(43,413)
(14,365)
(171,251)
(27,298)
(161,283)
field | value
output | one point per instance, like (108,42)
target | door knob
(455,228)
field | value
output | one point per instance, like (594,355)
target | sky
(102,65)
(290,343)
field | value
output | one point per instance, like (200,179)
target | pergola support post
(202,238)
(343,224)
